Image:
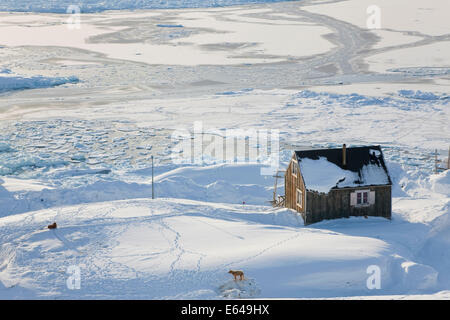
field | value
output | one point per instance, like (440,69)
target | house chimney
(344,155)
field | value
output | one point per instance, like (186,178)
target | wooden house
(336,183)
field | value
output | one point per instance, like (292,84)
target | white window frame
(297,198)
(294,168)
(370,198)
(362,192)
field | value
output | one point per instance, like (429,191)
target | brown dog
(52,226)
(236,274)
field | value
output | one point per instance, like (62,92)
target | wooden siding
(336,204)
(292,183)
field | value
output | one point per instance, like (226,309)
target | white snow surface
(441,182)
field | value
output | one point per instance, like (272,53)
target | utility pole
(276,176)
(435,161)
(153,188)
(448,159)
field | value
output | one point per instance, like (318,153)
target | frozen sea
(62,6)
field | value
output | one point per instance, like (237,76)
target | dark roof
(357,158)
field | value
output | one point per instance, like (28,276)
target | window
(294,168)
(362,197)
(299,198)
(365,197)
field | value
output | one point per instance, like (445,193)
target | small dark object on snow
(52,226)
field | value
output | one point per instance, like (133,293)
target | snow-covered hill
(180,248)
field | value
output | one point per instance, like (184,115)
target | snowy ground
(76,148)
(180,248)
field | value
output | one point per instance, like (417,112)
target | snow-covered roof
(323,169)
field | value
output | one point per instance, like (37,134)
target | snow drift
(440,183)
(22,83)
